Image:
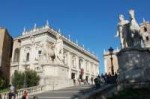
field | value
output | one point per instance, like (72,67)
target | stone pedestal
(134,65)
(52,73)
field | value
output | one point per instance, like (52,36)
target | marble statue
(122,31)
(47,54)
(58,49)
(134,30)
(129,31)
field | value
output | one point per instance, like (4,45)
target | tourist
(25,95)
(11,92)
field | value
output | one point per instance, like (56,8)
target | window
(145,29)
(16,55)
(27,57)
(39,53)
(147,38)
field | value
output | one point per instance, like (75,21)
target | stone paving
(67,93)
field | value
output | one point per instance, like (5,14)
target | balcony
(14,64)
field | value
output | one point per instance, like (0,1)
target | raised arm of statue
(117,33)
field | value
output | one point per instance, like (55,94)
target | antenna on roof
(59,30)
(144,20)
(34,27)
(47,24)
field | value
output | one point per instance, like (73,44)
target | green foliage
(18,79)
(2,83)
(30,77)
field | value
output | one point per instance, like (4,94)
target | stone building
(107,61)
(145,30)
(53,56)
(6,43)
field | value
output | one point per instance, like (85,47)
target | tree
(2,83)
(32,79)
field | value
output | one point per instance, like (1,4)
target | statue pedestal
(134,65)
(53,72)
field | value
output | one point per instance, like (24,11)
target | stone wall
(6,43)
(134,65)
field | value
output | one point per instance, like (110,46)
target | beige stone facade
(145,30)
(6,43)
(107,62)
(37,49)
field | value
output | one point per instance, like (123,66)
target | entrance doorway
(72,75)
(87,79)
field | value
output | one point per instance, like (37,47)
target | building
(6,43)
(145,30)
(53,56)
(107,61)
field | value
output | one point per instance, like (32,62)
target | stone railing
(59,84)
(31,90)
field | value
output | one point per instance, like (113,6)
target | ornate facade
(52,55)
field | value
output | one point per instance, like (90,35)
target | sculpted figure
(122,31)
(47,54)
(134,27)
(44,54)
(135,30)
(59,48)
(129,31)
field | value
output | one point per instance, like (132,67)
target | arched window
(147,38)
(145,29)
(16,55)
(27,57)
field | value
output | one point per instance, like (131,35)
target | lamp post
(111,58)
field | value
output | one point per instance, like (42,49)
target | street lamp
(111,58)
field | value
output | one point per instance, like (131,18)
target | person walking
(11,92)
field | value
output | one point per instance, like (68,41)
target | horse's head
(131,13)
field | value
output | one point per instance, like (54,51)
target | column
(69,64)
(83,66)
(77,67)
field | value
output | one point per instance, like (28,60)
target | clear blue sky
(91,22)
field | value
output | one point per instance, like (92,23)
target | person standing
(12,92)
(25,95)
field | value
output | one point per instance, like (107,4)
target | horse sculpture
(134,30)
(129,31)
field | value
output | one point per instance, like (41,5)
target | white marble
(52,55)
